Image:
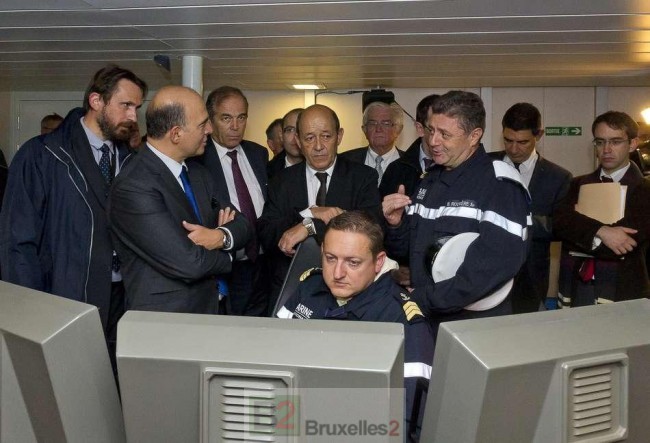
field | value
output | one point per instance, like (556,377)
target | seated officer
(355,284)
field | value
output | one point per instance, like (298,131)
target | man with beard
(54,234)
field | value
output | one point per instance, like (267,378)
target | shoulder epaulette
(411,309)
(309,272)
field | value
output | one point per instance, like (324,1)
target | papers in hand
(604,202)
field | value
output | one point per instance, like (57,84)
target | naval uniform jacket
(382,301)
(480,195)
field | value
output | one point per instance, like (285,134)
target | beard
(120,132)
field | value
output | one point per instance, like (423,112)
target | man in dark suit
(238,168)
(382,125)
(54,233)
(290,154)
(547,183)
(606,262)
(274,136)
(305,197)
(157,200)
(407,170)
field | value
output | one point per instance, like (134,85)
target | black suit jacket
(548,185)
(358,155)
(257,155)
(352,186)
(163,270)
(276,164)
(405,171)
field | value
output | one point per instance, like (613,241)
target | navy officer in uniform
(355,284)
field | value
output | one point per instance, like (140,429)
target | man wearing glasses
(382,124)
(290,154)
(604,263)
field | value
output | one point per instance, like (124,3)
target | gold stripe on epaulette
(411,309)
(306,274)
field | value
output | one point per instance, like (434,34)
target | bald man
(173,235)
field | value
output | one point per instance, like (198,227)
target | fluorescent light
(309,87)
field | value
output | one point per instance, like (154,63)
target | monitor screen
(56,382)
(565,376)
(188,377)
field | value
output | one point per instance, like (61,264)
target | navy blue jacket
(382,301)
(54,234)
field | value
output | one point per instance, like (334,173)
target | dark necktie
(246,206)
(105,164)
(516,165)
(105,168)
(427,163)
(605,179)
(187,187)
(322,190)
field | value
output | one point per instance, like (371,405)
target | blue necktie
(187,187)
(222,286)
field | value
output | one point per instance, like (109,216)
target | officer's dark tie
(105,164)
(427,163)
(516,165)
(322,190)
(245,204)
(606,179)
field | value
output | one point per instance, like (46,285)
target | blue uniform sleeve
(418,359)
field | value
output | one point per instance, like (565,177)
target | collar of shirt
(95,142)
(366,299)
(423,156)
(174,167)
(388,157)
(528,165)
(311,172)
(616,175)
(222,151)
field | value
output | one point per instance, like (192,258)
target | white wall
(559,107)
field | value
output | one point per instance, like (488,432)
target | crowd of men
(200,221)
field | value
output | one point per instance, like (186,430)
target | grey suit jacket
(162,269)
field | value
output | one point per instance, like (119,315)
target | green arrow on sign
(563,130)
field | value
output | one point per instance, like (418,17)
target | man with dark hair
(354,284)
(238,168)
(50,122)
(382,125)
(408,169)
(54,234)
(547,183)
(465,191)
(305,197)
(172,270)
(604,263)
(274,136)
(290,154)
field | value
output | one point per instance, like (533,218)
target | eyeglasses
(386,124)
(289,130)
(613,142)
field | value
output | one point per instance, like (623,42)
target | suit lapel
(538,172)
(336,188)
(163,177)
(213,164)
(258,166)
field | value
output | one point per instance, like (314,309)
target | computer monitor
(56,382)
(572,375)
(206,378)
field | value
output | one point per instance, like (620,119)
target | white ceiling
(266,45)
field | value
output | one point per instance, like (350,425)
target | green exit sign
(563,130)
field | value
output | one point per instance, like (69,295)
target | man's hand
(226,215)
(291,238)
(393,206)
(617,238)
(208,238)
(325,213)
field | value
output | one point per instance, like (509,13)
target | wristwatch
(308,223)
(227,240)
